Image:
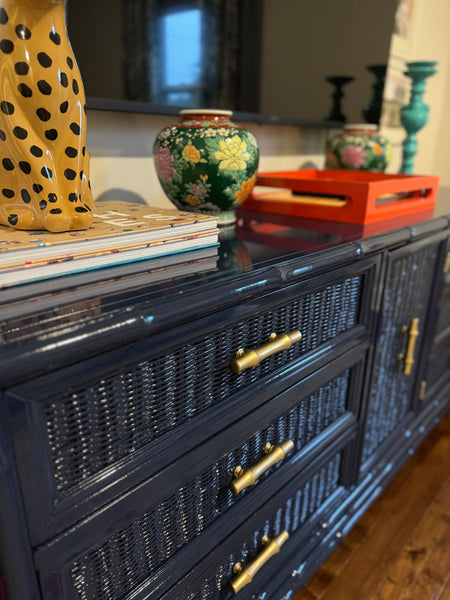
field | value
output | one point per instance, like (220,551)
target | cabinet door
(406,301)
(436,377)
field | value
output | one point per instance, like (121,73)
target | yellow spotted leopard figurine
(44,165)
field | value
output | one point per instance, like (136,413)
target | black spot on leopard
(8,164)
(22,32)
(20,132)
(26,91)
(75,128)
(7,108)
(8,193)
(36,151)
(21,68)
(71,152)
(25,196)
(46,172)
(44,60)
(3,16)
(43,114)
(55,37)
(51,134)
(44,87)
(25,167)
(6,46)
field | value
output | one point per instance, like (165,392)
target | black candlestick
(372,111)
(335,113)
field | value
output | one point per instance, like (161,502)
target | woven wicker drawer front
(407,296)
(123,561)
(290,517)
(94,426)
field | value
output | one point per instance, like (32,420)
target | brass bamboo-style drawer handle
(408,357)
(246,478)
(246,574)
(277,342)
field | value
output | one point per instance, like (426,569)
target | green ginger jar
(358,147)
(206,163)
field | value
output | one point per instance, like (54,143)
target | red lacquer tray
(344,195)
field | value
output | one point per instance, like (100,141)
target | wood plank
(394,531)
(445,593)
(423,567)
(331,570)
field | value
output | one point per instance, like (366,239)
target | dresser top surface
(258,248)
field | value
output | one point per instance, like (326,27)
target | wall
(121,143)
(431,42)
(122,167)
(428,40)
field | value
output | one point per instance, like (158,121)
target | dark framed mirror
(264,57)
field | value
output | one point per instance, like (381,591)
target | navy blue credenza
(212,425)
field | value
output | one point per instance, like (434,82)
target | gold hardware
(277,342)
(246,574)
(447,263)
(238,471)
(246,478)
(408,358)
(423,389)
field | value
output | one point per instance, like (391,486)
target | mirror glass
(273,57)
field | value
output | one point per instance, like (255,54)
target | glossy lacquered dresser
(211,425)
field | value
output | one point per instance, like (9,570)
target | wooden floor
(400,549)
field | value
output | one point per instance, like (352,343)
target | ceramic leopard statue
(44,165)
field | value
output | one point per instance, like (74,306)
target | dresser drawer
(310,416)
(93,430)
(298,512)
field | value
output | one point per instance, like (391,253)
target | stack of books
(121,233)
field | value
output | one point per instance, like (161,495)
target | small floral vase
(206,163)
(358,147)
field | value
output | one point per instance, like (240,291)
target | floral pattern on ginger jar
(358,147)
(207,163)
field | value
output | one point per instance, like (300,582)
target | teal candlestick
(415,115)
